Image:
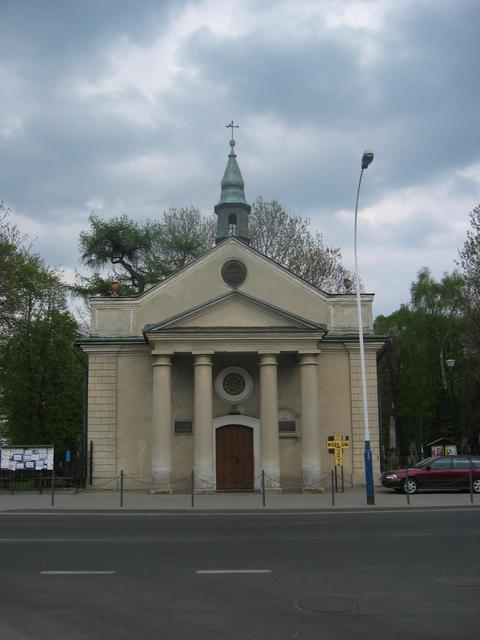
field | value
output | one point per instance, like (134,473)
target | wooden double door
(234,458)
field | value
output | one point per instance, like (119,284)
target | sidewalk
(352,500)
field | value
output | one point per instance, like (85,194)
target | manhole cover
(460,581)
(327,604)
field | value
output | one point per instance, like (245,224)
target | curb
(262,510)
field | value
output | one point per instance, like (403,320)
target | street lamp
(367,159)
(450,363)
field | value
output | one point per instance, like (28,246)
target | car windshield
(423,463)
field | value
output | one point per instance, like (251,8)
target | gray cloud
(308,105)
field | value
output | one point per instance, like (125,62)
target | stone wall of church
(102,415)
(335,404)
(134,417)
(182,410)
(358,427)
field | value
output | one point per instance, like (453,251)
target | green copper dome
(232,182)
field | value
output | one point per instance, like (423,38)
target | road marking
(55,539)
(77,573)
(233,571)
(404,535)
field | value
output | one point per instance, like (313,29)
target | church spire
(232,208)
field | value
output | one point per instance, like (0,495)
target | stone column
(162,421)
(269,437)
(311,466)
(203,421)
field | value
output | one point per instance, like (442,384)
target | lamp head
(367,159)
(450,363)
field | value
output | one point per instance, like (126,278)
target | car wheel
(409,486)
(476,485)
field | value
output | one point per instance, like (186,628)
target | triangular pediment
(235,310)
(202,281)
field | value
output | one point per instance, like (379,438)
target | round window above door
(234,385)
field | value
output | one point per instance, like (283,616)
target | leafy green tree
(426,400)
(120,242)
(470,264)
(141,254)
(40,381)
(22,274)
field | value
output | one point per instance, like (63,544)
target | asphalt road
(327,576)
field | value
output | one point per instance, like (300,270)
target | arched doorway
(244,421)
(234,458)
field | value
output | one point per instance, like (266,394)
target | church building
(230,367)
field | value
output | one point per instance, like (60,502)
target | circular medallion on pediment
(234,385)
(234,273)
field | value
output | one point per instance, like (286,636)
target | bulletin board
(18,458)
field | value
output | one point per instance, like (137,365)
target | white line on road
(77,573)
(81,540)
(404,535)
(233,571)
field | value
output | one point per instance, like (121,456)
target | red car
(441,472)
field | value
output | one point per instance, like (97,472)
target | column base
(311,477)
(272,477)
(161,491)
(204,481)
(314,490)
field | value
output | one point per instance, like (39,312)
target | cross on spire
(232,127)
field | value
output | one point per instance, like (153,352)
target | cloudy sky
(120,106)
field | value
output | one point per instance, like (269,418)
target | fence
(199,486)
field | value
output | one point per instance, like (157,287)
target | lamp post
(450,363)
(367,159)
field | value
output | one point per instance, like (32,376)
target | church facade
(231,367)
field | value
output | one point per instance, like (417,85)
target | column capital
(162,359)
(268,359)
(308,357)
(202,359)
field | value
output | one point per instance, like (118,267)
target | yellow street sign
(338,457)
(338,444)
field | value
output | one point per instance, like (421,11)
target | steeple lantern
(232,209)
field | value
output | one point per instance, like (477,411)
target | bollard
(40,483)
(263,487)
(121,488)
(343,480)
(332,473)
(193,489)
(336,480)
(470,473)
(12,482)
(53,488)
(406,486)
